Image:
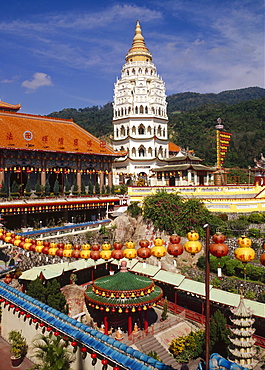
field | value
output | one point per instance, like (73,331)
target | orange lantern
(262,259)
(193,245)
(85,253)
(219,249)
(144,251)
(158,250)
(174,248)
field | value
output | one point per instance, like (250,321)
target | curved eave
(149,299)
(139,138)
(139,118)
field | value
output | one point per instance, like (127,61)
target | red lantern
(104,361)
(117,254)
(49,328)
(262,259)
(74,343)
(117,245)
(46,243)
(56,334)
(59,252)
(219,238)
(93,355)
(144,243)
(35,320)
(95,247)
(45,250)
(174,239)
(76,253)
(218,249)
(83,349)
(116,368)
(95,254)
(77,246)
(28,315)
(42,324)
(175,249)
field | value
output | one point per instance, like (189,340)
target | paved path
(5,362)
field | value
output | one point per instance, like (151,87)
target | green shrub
(134,210)
(256,218)
(255,233)
(223,216)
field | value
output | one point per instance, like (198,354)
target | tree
(55,298)
(47,187)
(38,188)
(90,188)
(56,188)
(67,187)
(219,334)
(83,188)
(75,188)
(3,190)
(52,353)
(97,188)
(37,290)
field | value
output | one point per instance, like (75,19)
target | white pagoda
(242,347)
(139,115)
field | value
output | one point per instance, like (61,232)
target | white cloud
(38,79)
(10,80)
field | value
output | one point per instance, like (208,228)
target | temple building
(48,151)
(139,115)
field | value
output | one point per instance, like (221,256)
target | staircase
(150,343)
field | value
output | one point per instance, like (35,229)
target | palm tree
(52,353)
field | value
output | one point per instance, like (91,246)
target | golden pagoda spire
(138,51)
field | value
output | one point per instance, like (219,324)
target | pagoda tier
(121,297)
(242,342)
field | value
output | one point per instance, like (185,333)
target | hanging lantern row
(123,294)
(54,207)
(55,170)
(122,309)
(218,248)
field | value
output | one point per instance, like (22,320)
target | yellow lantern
(39,242)
(158,251)
(244,253)
(52,251)
(85,253)
(106,246)
(53,245)
(7,239)
(17,242)
(193,246)
(68,246)
(105,254)
(130,244)
(158,242)
(130,253)
(27,240)
(27,246)
(67,252)
(86,246)
(17,237)
(244,241)
(38,248)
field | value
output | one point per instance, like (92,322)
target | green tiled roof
(149,270)
(155,295)
(122,281)
(169,277)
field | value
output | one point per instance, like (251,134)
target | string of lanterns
(156,248)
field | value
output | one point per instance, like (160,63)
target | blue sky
(67,54)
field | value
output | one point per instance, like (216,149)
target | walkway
(5,362)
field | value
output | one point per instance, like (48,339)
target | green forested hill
(192,120)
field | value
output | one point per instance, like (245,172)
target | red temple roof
(9,107)
(30,132)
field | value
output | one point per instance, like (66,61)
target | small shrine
(242,347)
(118,301)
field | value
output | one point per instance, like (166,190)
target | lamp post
(207,297)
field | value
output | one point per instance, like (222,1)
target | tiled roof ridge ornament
(123,266)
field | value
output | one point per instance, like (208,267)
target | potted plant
(38,191)
(18,347)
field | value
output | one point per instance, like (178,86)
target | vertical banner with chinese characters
(222,141)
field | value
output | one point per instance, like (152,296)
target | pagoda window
(117,132)
(159,130)
(159,112)
(122,148)
(133,71)
(159,175)
(150,151)
(151,72)
(165,155)
(149,130)
(122,111)
(146,110)
(155,152)
(160,152)
(141,130)
(128,72)
(146,71)
(141,151)
(128,131)
(136,110)
(140,70)
(153,110)
(129,110)
(141,109)
(134,130)
(133,152)
(122,131)
(164,132)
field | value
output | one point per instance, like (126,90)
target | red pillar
(130,325)
(175,300)
(146,320)
(106,325)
